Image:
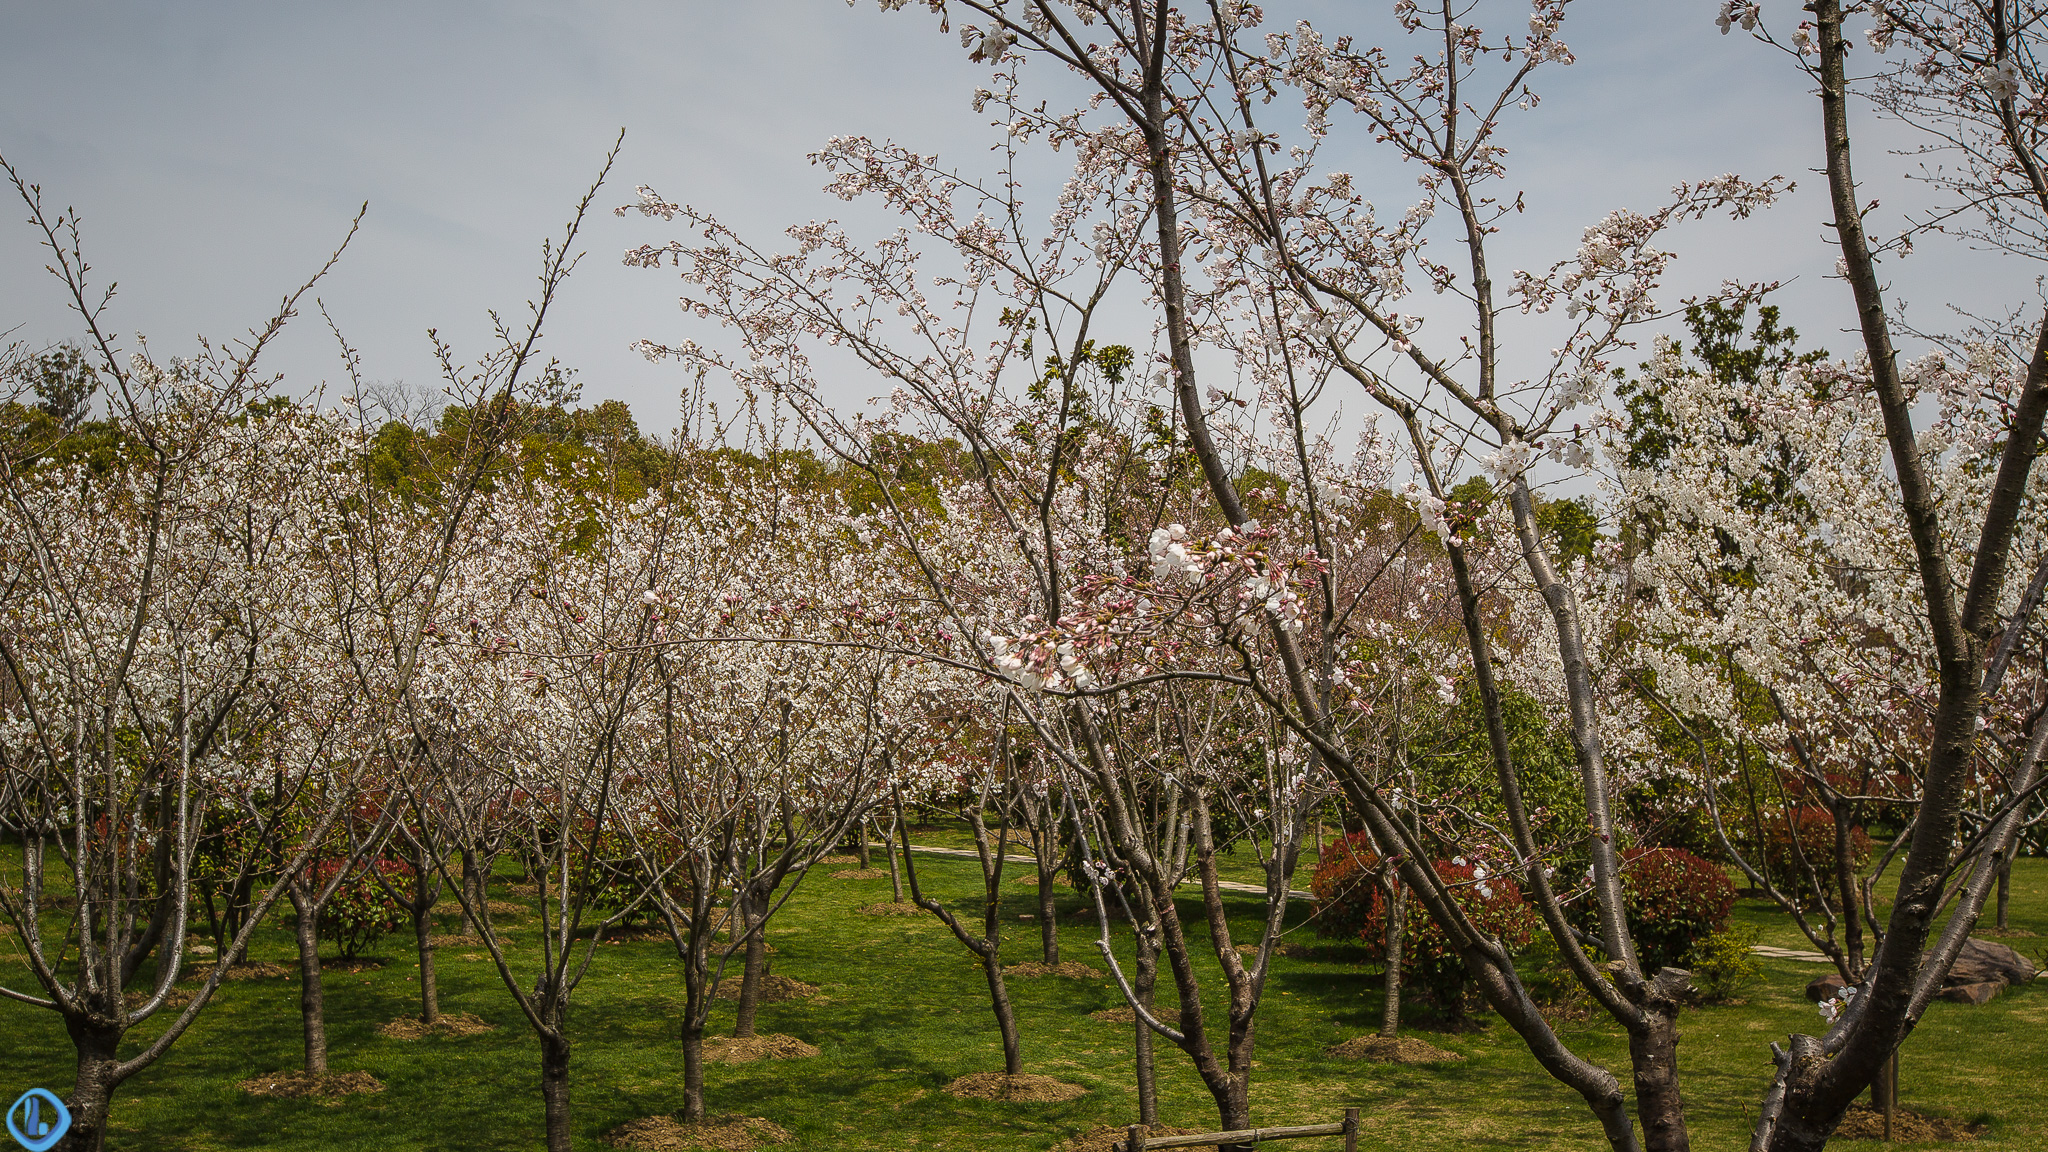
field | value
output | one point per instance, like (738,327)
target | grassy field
(904,1012)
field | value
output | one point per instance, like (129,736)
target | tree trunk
(1146,980)
(1397,933)
(476,886)
(1884,1092)
(860,843)
(430,993)
(93,1093)
(895,876)
(1006,1020)
(750,981)
(1234,1105)
(554,1089)
(2004,890)
(1048,915)
(312,998)
(693,1072)
(1653,1054)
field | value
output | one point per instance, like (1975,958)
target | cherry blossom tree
(1930,471)
(161,663)
(764,737)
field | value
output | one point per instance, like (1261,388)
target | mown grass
(904,1012)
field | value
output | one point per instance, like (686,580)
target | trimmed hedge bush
(1673,899)
(1351,905)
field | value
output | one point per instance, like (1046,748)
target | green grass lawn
(905,1012)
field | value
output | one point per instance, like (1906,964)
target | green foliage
(1457,764)
(1571,525)
(1721,350)
(64,383)
(1725,963)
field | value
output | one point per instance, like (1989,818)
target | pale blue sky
(218,150)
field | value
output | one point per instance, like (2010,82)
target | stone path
(1776,953)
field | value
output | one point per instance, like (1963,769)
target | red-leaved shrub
(1813,828)
(1350,905)
(1672,900)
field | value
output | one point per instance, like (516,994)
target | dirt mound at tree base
(1125,1014)
(1110,1139)
(1072,969)
(715,1133)
(861,874)
(1391,1050)
(1023,1088)
(887,908)
(1862,1122)
(176,999)
(774,989)
(774,1046)
(253,970)
(299,1085)
(446,1024)
(842,859)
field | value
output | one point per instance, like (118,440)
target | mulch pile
(256,970)
(1391,1050)
(507,908)
(177,999)
(1909,1127)
(1125,1014)
(299,1085)
(446,1024)
(454,941)
(1073,969)
(1023,1088)
(838,859)
(861,874)
(716,1133)
(1109,1139)
(774,989)
(774,1046)
(887,908)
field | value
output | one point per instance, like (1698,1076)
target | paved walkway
(1774,953)
(1226,885)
